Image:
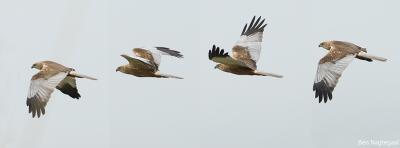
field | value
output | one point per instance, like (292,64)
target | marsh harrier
(245,53)
(331,67)
(145,62)
(51,75)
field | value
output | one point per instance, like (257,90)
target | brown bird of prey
(245,53)
(145,62)
(331,67)
(51,75)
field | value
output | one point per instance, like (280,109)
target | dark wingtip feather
(244,29)
(252,22)
(216,52)
(170,52)
(36,107)
(322,91)
(254,27)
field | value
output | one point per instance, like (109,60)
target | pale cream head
(325,45)
(38,65)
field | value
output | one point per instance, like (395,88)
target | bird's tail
(75,74)
(268,74)
(372,57)
(167,75)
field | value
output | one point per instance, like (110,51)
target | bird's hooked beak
(117,69)
(216,66)
(320,45)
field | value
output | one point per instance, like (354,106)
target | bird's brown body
(49,69)
(139,72)
(340,49)
(239,70)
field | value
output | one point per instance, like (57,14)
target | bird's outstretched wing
(40,91)
(329,70)
(68,86)
(348,47)
(147,55)
(220,56)
(153,55)
(141,63)
(248,48)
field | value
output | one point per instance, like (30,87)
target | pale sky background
(209,108)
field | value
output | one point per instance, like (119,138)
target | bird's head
(220,67)
(38,66)
(325,45)
(217,66)
(118,69)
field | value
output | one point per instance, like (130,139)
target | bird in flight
(51,75)
(332,65)
(245,53)
(145,62)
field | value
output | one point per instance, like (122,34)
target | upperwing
(140,62)
(250,40)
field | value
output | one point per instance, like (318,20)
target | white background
(209,108)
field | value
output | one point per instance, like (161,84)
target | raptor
(332,65)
